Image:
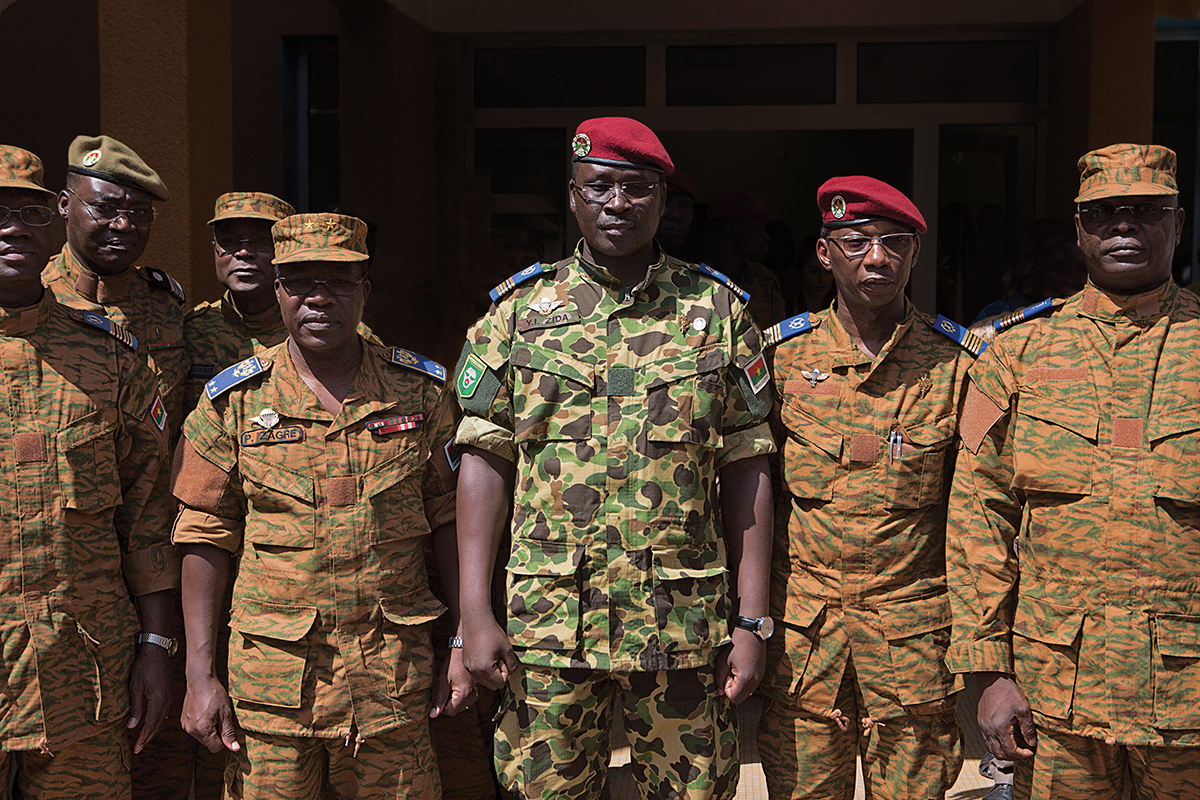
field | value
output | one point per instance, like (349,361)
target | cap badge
(838,207)
(267,418)
(545,305)
(814,375)
(91,158)
(581,145)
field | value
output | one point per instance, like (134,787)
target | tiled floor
(970,785)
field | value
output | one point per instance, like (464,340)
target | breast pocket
(690,598)
(918,476)
(552,395)
(543,594)
(268,652)
(1046,654)
(394,492)
(685,400)
(811,453)
(1175,446)
(281,504)
(1058,443)
(87,462)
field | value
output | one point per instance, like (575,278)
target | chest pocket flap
(394,490)
(1174,437)
(811,453)
(1058,433)
(552,395)
(87,463)
(685,398)
(281,503)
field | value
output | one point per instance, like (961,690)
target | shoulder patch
(785,330)
(969,341)
(158,278)
(1022,314)
(407,358)
(721,277)
(107,325)
(238,373)
(514,281)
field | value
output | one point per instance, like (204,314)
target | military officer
(603,396)
(319,466)
(223,332)
(85,517)
(868,391)
(1081,434)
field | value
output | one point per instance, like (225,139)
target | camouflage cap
(21,169)
(319,237)
(107,159)
(1121,170)
(250,205)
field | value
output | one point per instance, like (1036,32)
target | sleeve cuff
(153,569)
(486,435)
(197,527)
(755,441)
(989,656)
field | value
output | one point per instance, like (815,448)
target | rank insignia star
(924,384)
(814,375)
(331,225)
(308,226)
(267,418)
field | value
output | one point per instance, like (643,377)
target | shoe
(985,765)
(1001,791)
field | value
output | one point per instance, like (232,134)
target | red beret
(739,205)
(678,181)
(852,199)
(620,142)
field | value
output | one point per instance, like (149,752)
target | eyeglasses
(303,287)
(107,213)
(897,245)
(30,215)
(1145,213)
(603,192)
(230,245)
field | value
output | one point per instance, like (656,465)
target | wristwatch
(165,642)
(762,627)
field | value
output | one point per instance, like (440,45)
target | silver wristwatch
(762,627)
(165,642)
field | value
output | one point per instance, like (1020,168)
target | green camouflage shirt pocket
(690,598)
(918,476)
(268,652)
(811,453)
(1176,671)
(1058,432)
(87,462)
(1046,654)
(543,594)
(280,505)
(1175,444)
(108,633)
(918,634)
(686,398)
(552,395)
(407,650)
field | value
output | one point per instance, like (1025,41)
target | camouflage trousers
(396,764)
(464,750)
(96,767)
(1070,767)
(552,742)
(914,757)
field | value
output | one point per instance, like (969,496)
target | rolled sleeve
(153,569)
(486,435)
(755,441)
(199,527)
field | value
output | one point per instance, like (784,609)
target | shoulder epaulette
(407,358)
(232,376)
(158,278)
(970,342)
(107,325)
(1022,314)
(723,278)
(785,330)
(513,281)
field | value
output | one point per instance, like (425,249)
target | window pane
(545,77)
(948,72)
(523,160)
(792,74)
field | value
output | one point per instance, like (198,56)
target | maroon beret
(739,205)
(679,182)
(853,199)
(620,142)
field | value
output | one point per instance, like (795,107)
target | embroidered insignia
(814,375)
(468,378)
(108,326)
(158,413)
(787,329)
(581,145)
(516,280)
(238,373)
(545,305)
(409,359)
(552,321)
(395,424)
(723,278)
(838,206)
(267,418)
(924,384)
(970,342)
(288,435)
(90,158)
(757,373)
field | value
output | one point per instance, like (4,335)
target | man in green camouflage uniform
(319,465)
(85,521)
(1073,546)
(868,393)
(603,396)
(246,319)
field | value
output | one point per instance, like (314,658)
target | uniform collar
(845,353)
(100,289)
(268,321)
(605,278)
(24,321)
(1095,303)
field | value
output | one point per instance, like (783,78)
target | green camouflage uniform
(326,519)
(1081,435)
(85,516)
(618,406)
(858,587)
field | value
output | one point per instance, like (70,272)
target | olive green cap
(21,169)
(251,205)
(105,158)
(1123,170)
(319,237)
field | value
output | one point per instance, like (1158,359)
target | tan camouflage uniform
(858,588)
(766,303)
(331,606)
(1092,462)
(85,515)
(219,336)
(618,407)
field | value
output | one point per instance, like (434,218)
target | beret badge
(91,158)
(838,206)
(581,145)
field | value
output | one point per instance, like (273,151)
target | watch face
(766,627)
(173,648)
